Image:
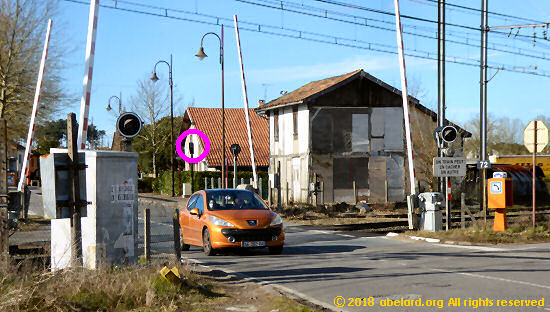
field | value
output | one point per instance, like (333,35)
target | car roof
(220,190)
(227,189)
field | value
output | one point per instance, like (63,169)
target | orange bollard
(500,223)
(500,193)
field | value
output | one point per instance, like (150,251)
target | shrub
(162,183)
(145,185)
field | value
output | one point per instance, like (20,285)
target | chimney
(261,102)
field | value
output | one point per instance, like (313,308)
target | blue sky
(129,44)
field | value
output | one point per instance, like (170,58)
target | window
(199,204)
(360,133)
(321,132)
(191,202)
(347,170)
(295,122)
(276,126)
(341,134)
(234,200)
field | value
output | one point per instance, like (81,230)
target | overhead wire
(502,15)
(281,7)
(300,34)
(416,18)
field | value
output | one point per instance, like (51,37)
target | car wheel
(275,250)
(207,244)
(183,245)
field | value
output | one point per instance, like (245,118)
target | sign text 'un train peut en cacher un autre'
(449,166)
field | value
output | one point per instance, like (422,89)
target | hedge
(145,185)
(162,183)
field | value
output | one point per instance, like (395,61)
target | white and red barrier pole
(245,99)
(88,72)
(406,115)
(28,148)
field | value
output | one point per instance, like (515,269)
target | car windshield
(233,200)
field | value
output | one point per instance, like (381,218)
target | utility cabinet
(110,225)
(430,211)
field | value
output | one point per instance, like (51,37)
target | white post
(88,71)
(245,98)
(406,114)
(24,169)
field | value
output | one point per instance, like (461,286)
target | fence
(212,183)
(157,238)
(206,179)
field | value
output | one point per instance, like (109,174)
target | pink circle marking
(204,138)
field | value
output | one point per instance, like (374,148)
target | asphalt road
(35,203)
(320,265)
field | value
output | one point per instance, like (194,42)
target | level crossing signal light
(235,149)
(446,134)
(128,124)
(449,134)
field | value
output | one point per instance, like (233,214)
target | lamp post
(235,150)
(201,55)
(108,108)
(191,152)
(155,78)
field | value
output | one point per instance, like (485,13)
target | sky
(129,44)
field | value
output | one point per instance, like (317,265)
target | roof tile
(209,121)
(308,90)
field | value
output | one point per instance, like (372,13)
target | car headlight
(277,220)
(220,222)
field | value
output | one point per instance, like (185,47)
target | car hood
(240,218)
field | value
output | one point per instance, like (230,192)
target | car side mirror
(194,211)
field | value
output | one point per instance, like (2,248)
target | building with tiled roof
(209,121)
(341,139)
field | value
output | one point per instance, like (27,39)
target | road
(320,265)
(35,203)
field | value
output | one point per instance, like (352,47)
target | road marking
(480,248)
(432,240)
(282,289)
(321,232)
(492,278)
(527,248)
(156,222)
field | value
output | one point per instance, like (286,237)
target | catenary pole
(483,106)
(534,172)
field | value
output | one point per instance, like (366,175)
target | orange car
(225,218)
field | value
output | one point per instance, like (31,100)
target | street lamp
(155,78)
(191,152)
(108,108)
(235,150)
(201,55)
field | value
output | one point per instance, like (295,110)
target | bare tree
(546,120)
(504,136)
(472,145)
(22,30)
(151,103)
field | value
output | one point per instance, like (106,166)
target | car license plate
(254,244)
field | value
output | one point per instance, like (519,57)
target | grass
(135,288)
(521,231)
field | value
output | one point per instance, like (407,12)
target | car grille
(252,234)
